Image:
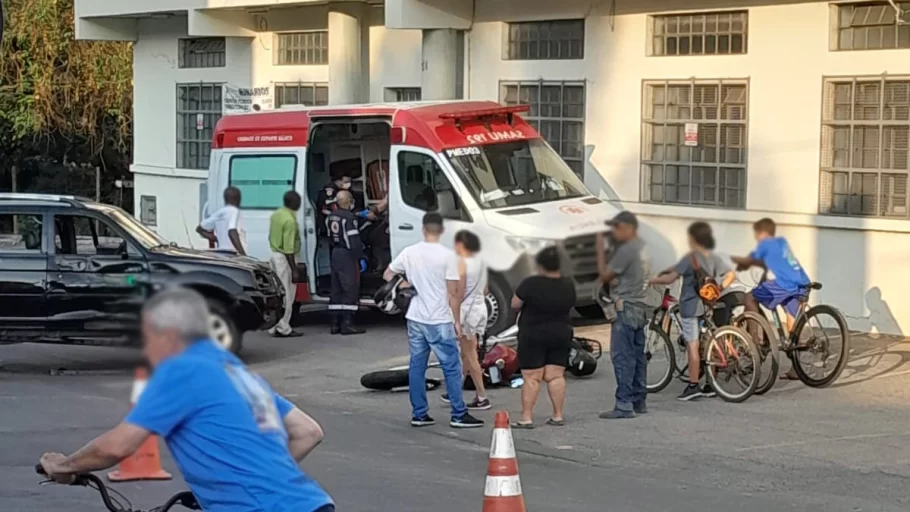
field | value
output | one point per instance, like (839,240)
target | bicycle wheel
(823,346)
(732,364)
(765,339)
(661,358)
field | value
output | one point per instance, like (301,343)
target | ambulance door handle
(406,227)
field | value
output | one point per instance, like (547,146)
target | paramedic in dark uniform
(327,200)
(343,228)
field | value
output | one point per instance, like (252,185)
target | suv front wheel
(222,328)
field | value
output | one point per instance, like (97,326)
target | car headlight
(526,244)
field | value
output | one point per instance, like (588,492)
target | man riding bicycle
(236,442)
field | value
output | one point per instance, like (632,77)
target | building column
(349,62)
(439,64)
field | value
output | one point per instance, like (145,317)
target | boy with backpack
(700,270)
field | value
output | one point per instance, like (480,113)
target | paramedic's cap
(624,217)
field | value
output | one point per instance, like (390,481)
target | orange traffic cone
(145,464)
(502,492)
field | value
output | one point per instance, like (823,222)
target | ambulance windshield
(515,173)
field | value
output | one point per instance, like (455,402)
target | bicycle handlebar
(185,499)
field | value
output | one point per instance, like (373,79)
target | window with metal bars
(545,40)
(865,147)
(871,26)
(705,33)
(199,107)
(301,93)
(404,94)
(302,48)
(202,52)
(557,113)
(694,145)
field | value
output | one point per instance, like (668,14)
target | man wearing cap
(624,274)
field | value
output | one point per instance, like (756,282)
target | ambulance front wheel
(500,315)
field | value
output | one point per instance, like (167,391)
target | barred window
(202,52)
(403,94)
(198,111)
(865,147)
(557,113)
(302,48)
(694,143)
(710,33)
(545,40)
(871,26)
(301,93)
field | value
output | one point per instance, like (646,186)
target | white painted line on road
(821,441)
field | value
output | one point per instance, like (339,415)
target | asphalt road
(838,449)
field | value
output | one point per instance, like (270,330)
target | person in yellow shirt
(284,241)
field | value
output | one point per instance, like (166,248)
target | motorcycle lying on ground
(499,361)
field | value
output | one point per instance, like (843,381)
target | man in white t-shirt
(225,226)
(426,266)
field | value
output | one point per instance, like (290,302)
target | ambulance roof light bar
(486,113)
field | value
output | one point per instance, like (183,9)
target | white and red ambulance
(477,163)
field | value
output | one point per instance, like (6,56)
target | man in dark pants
(343,228)
(625,274)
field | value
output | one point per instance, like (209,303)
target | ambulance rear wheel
(500,315)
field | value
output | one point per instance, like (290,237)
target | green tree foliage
(65,105)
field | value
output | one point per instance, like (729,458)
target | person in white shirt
(467,295)
(225,226)
(426,266)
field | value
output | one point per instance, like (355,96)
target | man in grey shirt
(625,275)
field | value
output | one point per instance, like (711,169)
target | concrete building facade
(718,110)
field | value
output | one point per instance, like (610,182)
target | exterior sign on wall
(238,100)
(691,134)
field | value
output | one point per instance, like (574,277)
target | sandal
(556,423)
(522,426)
(791,375)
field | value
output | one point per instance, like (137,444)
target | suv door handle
(405,227)
(75,266)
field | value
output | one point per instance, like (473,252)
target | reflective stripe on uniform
(343,307)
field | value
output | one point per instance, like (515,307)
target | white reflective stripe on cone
(503,447)
(138,388)
(502,486)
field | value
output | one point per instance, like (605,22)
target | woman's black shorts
(535,352)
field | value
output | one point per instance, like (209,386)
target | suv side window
(21,233)
(424,186)
(85,236)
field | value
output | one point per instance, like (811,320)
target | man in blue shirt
(786,280)
(236,442)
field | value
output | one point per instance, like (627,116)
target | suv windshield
(143,236)
(515,173)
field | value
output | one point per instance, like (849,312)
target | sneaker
(424,421)
(466,421)
(480,404)
(445,398)
(708,391)
(691,392)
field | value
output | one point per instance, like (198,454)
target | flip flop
(522,426)
(556,423)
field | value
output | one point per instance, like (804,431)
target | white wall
(858,260)
(395,62)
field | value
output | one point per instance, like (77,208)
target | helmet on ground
(393,298)
(581,363)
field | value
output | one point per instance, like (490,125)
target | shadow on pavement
(874,356)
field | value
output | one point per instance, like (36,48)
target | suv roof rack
(54,198)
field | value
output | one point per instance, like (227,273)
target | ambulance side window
(262,179)
(424,186)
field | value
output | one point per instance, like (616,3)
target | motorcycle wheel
(387,380)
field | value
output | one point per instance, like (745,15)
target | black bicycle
(116,502)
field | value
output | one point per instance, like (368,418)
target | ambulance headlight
(527,244)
